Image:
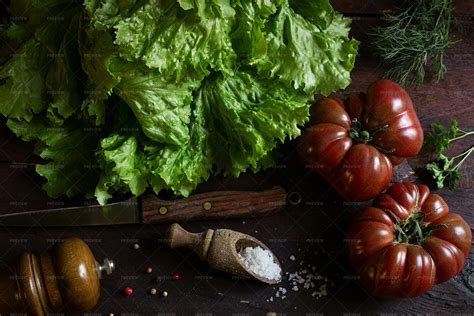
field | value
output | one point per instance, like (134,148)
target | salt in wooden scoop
(220,248)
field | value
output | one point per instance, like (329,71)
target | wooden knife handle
(213,205)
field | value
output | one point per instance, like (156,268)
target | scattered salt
(304,279)
(261,262)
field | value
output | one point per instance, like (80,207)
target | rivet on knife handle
(163,210)
(211,205)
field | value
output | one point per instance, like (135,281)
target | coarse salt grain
(260,261)
(305,279)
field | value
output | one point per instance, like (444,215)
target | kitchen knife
(151,210)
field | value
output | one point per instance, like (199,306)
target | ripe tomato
(407,241)
(354,144)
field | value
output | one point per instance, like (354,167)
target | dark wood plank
(311,230)
(463,8)
(351,7)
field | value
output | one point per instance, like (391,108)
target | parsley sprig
(445,170)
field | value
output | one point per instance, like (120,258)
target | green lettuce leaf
(182,168)
(122,165)
(40,89)
(209,9)
(308,58)
(62,80)
(132,161)
(296,51)
(248,115)
(125,95)
(248,36)
(71,167)
(42,74)
(11,37)
(21,82)
(161,106)
(97,54)
(180,46)
(95,110)
(318,12)
(33,13)
(104,14)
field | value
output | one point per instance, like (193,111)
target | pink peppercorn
(176,277)
(128,291)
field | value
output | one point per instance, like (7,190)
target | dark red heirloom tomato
(354,144)
(407,241)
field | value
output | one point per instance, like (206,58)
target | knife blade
(151,210)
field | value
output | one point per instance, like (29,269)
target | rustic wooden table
(311,231)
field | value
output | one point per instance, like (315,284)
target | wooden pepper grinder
(219,248)
(64,279)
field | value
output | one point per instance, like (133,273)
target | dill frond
(416,34)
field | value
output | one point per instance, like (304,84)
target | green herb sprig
(445,170)
(416,34)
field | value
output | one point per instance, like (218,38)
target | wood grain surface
(311,230)
(374,7)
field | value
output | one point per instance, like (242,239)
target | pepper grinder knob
(108,266)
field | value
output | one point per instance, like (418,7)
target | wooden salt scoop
(220,248)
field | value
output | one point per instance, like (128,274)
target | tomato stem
(360,135)
(413,230)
